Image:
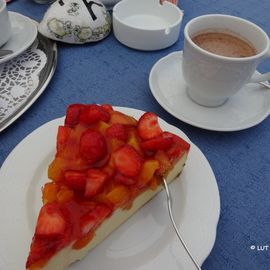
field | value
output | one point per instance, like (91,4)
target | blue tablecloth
(108,72)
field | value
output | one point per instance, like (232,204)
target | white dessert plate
(249,107)
(23,34)
(146,241)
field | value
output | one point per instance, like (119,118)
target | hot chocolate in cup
(5,26)
(220,56)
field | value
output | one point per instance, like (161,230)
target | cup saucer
(247,108)
(23,34)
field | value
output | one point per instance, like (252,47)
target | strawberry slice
(50,221)
(93,113)
(127,161)
(102,162)
(72,115)
(117,131)
(159,143)
(75,180)
(127,181)
(87,223)
(148,127)
(107,107)
(178,147)
(94,182)
(92,146)
(62,137)
(92,219)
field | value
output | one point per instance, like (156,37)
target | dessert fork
(169,204)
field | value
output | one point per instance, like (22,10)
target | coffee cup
(5,26)
(213,73)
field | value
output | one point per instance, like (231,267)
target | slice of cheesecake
(107,165)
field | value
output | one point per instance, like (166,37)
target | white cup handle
(256,78)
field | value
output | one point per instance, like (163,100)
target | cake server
(169,204)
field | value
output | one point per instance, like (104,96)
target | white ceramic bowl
(146,24)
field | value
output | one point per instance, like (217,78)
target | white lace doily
(18,79)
